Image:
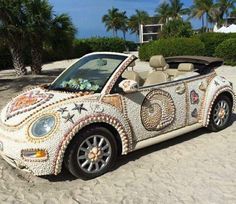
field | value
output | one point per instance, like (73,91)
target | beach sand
(198,167)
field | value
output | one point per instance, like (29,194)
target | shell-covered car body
(100,89)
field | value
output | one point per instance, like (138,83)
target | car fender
(100,112)
(216,87)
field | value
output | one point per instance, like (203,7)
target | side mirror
(129,86)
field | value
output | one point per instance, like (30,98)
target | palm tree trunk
(203,23)
(206,23)
(124,35)
(17,59)
(36,55)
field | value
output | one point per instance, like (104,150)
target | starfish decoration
(79,107)
(216,83)
(69,118)
(62,110)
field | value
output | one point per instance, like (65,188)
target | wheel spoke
(90,166)
(105,147)
(100,143)
(82,157)
(89,144)
(218,121)
(83,149)
(94,141)
(97,166)
(103,163)
(106,154)
(85,163)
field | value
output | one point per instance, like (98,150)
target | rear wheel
(220,114)
(91,153)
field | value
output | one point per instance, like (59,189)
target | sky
(87,14)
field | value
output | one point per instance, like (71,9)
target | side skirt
(166,136)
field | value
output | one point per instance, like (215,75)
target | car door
(155,110)
(196,88)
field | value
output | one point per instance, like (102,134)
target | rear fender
(218,85)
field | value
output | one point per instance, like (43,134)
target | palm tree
(233,13)
(140,17)
(12,32)
(177,10)
(163,12)
(224,7)
(61,35)
(201,10)
(111,20)
(42,26)
(123,19)
(38,17)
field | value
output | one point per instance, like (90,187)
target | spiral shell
(157,111)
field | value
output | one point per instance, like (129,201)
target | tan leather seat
(184,68)
(131,74)
(157,75)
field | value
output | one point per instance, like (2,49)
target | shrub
(172,47)
(226,50)
(212,40)
(81,47)
(84,46)
(131,46)
(5,58)
(106,44)
(177,28)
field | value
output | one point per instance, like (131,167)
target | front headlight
(43,126)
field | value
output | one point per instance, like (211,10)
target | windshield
(90,73)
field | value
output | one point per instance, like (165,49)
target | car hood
(32,101)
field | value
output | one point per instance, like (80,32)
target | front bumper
(15,163)
(11,151)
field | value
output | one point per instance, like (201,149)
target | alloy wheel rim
(94,153)
(221,113)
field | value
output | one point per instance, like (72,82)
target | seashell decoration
(157,111)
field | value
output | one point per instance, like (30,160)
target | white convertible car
(101,107)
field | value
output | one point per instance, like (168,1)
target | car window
(89,73)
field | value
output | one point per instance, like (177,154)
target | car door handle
(180,89)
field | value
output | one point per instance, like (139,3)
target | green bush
(177,28)
(84,46)
(81,47)
(5,58)
(172,47)
(131,46)
(226,50)
(212,40)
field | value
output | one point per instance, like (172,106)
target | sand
(198,167)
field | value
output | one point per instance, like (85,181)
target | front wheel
(91,153)
(220,114)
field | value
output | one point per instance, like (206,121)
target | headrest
(186,67)
(158,63)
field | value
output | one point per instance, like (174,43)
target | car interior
(159,72)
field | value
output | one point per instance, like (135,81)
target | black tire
(213,126)
(71,156)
